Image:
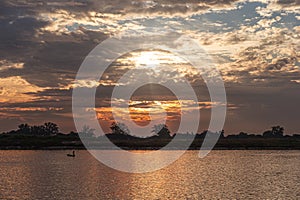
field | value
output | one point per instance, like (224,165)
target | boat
(71,155)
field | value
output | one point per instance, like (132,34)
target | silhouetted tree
(50,128)
(161,130)
(87,132)
(119,128)
(37,130)
(202,135)
(276,131)
(243,135)
(24,129)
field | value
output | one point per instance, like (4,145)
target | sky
(254,45)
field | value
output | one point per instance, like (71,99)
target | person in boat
(71,155)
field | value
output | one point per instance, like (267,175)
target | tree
(276,131)
(119,128)
(24,129)
(37,130)
(161,130)
(50,128)
(202,135)
(87,132)
(242,135)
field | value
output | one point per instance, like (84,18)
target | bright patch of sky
(214,21)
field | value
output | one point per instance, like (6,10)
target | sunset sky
(254,44)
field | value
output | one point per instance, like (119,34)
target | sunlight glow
(154,59)
(148,59)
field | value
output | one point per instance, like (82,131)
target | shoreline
(142,148)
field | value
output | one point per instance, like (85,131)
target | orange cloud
(14,89)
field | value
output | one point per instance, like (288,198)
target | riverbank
(137,149)
(50,143)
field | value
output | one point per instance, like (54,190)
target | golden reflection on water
(220,175)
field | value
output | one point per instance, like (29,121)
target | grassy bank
(62,141)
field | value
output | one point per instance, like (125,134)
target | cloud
(282,6)
(276,54)
(6,65)
(13,89)
(43,43)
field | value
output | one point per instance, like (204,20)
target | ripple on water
(220,175)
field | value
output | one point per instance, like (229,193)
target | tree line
(48,128)
(120,130)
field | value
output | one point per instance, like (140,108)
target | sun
(147,59)
(155,59)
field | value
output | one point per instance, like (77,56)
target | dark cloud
(49,59)
(124,7)
(288,2)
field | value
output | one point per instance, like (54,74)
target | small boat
(71,155)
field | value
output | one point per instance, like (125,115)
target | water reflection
(221,175)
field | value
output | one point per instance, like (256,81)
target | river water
(220,175)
